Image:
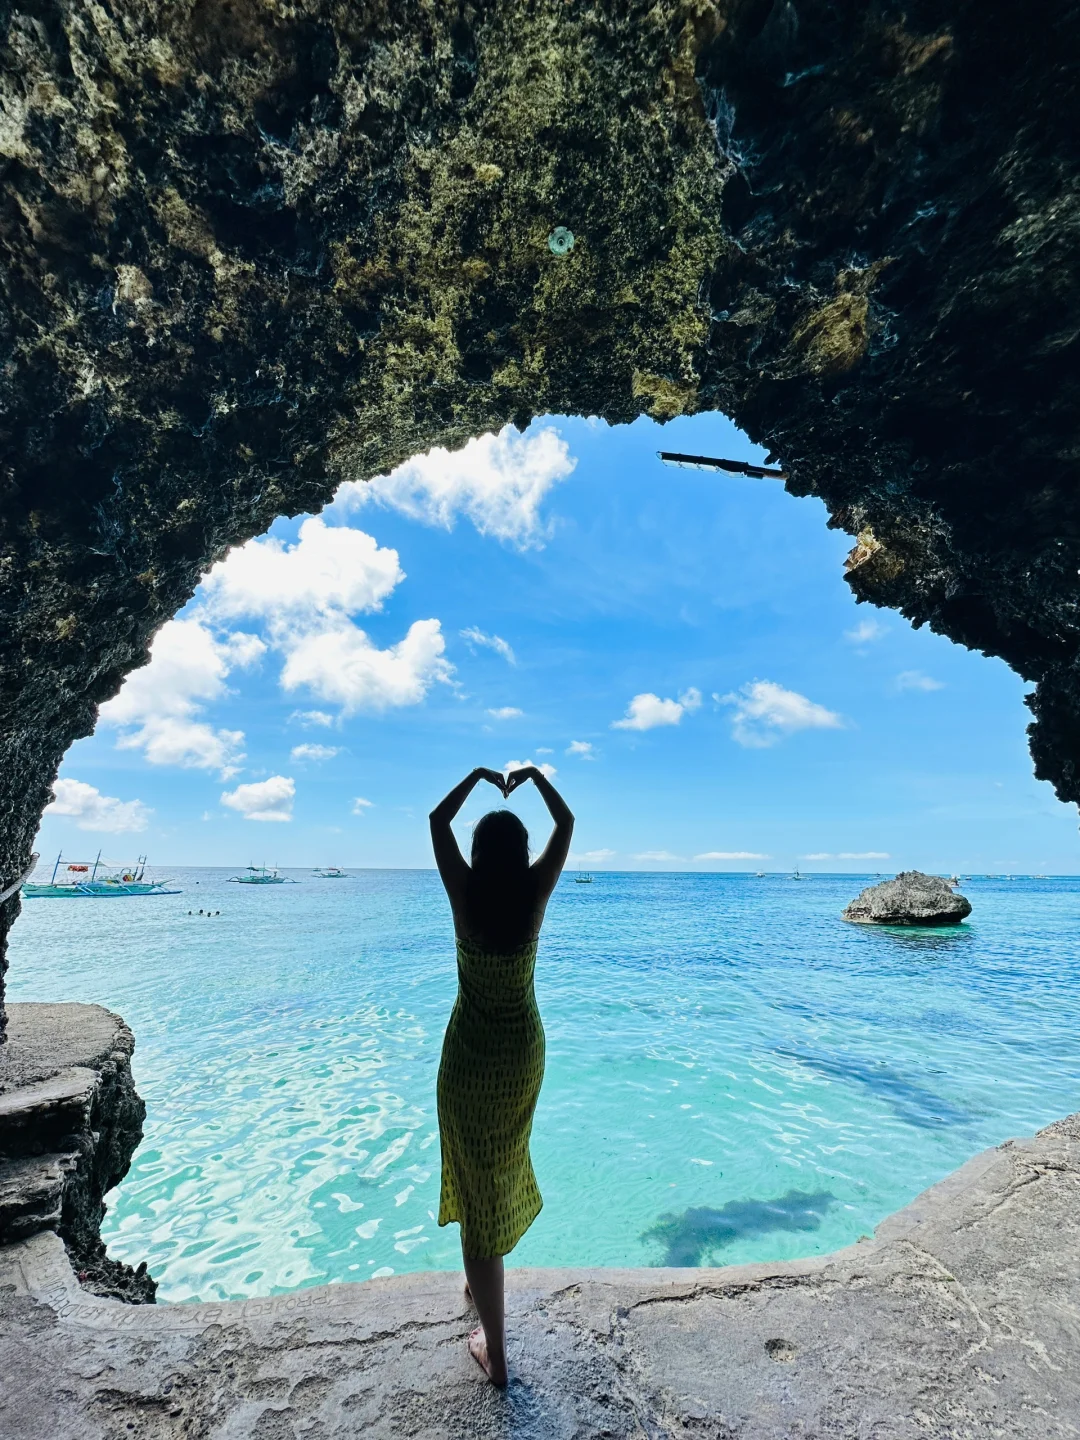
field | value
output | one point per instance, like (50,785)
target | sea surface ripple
(733,1073)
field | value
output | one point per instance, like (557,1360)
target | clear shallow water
(733,1074)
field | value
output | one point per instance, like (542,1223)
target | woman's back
(500,910)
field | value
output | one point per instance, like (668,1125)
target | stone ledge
(44,1039)
(65,1098)
(70,1120)
(32,1193)
(958,1319)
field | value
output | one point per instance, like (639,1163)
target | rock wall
(254,247)
(70,1121)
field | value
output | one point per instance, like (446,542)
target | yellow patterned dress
(489,1079)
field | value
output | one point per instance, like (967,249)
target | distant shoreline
(965,879)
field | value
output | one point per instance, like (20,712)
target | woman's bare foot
(479,1351)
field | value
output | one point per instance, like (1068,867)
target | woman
(493,1054)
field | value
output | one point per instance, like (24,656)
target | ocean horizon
(733,1073)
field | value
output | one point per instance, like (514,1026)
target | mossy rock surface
(251,249)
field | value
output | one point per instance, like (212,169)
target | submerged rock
(911,899)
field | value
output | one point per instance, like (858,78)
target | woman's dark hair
(499,902)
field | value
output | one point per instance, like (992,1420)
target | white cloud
(865,632)
(340,664)
(360,805)
(497,481)
(83,803)
(489,642)
(263,799)
(848,855)
(660,855)
(159,704)
(544,750)
(591,857)
(548,770)
(506,712)
(581,747)
(189,744)
(309,718)
(647,711)
(765,711)
(916,680)
(305,593)
(314,752)
(332,569)
(732,855)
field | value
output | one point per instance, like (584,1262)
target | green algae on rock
(252,249)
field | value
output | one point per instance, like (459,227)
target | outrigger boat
(81,880)
(583,879)
(330,872)
(260,875)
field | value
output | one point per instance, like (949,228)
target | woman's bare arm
(548,867)
(452,866)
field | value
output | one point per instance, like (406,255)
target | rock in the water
(911,899)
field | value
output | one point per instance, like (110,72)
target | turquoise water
(733,1073)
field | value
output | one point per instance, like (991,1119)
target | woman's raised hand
(493,777)
(518,777)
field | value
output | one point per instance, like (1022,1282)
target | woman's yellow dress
(489,1079)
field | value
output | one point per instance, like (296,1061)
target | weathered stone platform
(961,1318)
(70,1120)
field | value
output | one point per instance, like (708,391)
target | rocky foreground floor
(960,1318)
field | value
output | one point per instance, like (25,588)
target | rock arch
(253,247)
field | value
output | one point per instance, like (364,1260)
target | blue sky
(679,646)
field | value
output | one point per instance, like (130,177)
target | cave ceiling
(253,248)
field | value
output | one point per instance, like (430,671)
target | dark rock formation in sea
(70,1120)
(250,250)
(911,899)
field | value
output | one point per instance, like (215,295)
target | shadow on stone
(690,1238)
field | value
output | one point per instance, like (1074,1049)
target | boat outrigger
(81,880)
(260,875)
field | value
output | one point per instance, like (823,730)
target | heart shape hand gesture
(507,784)
(494,778)
(516,778)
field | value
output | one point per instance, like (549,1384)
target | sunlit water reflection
(732,1073)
